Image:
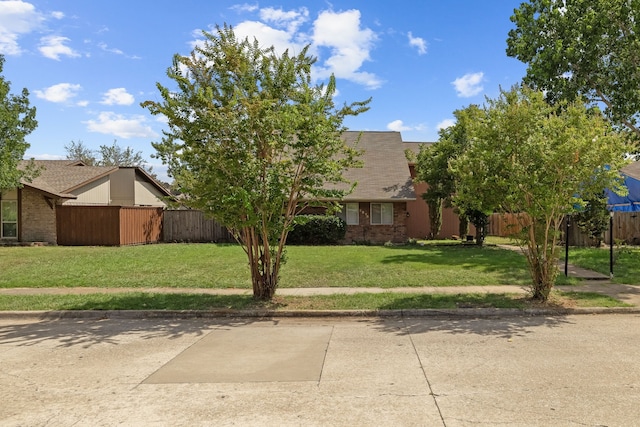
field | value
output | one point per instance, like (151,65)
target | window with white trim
(9,219)
(381,213)
(350,213)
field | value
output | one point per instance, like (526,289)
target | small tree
(594,218)
(432,167)
(480,220)
(108,155)
(252,141)
(114,155)
(529,157)
(17,120)
(79,151)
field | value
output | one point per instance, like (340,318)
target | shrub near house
(317,230)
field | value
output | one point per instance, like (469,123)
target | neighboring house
(386,204)
(50,205)
(376,211)
(626,209)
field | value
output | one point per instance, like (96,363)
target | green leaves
(249,136)
(541,160)
(17,120)
(586,50)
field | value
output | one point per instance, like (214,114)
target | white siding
(94,193)
(147,194)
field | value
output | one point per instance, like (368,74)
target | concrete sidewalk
(525,371)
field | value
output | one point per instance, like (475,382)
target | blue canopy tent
(628,203)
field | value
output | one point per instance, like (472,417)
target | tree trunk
(544,277)
(264,268)
(542,260)
(435,217)
(463,227)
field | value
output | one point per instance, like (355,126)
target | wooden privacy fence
(626,228)
(503,225)
(192,226)
(108,225)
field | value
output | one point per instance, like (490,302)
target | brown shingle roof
(385,173)
(60,177)
(632,170)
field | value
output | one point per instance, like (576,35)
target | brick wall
(37,218)
(379,234)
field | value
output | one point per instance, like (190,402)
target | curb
(481,313)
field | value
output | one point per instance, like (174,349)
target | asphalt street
(577,370)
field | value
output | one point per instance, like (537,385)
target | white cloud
(57,14)
(244,7)
(349,45)
(115,124)
(337,33)
(106,48)
(16,18)
(44,156)
(469,85)
(290,20)
(267,36)
(54,46)
(62,92)
(398,126)
(446,123)
(117,96)
(419,43)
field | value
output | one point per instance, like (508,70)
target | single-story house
(72,203)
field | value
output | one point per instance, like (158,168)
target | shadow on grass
(491,259)
(446,301)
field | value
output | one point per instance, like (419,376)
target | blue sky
(89,64)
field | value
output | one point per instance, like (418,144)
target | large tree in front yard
(540,161)
(588,49)
(17,120)
(250,140)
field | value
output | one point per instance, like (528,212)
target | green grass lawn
(225,266)
(626,268)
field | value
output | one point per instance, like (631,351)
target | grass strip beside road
(363,301)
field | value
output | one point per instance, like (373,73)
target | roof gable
(385,173)
(61,177)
